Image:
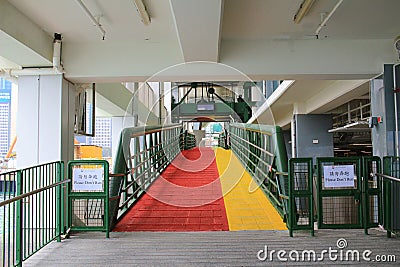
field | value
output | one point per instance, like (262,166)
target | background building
(5,116)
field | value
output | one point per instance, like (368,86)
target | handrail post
(106,200)
(18,227)
(59,203)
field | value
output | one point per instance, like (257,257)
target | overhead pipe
(5,74)
(92,18)
(328,17)
(56,69)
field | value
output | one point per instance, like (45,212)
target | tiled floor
(181,199)
(202,192)
(246,205)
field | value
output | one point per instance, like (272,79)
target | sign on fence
(339,176)
(88,196)
(87,179)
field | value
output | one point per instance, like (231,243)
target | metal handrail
(143,153)
(22,196)
(257,128)
(31,225)
(388,177)
(265,160)
(141,130)
(248,142)
(352,110)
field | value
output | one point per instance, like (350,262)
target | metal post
(106,199)
(19,224)
(396,124)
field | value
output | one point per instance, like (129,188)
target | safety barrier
(223,140)
(262,151)
(32,211)
(187,141)
(391,194)
(143,153)
(301,206)
(346,192)
(88,195)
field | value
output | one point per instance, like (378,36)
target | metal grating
(340,210)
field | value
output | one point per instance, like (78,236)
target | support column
(161,104)
(384,100)
(310,136)
(45,120)
(117,125)
(167,101)
(135,105)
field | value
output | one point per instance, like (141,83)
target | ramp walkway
(202,190)
(223,248)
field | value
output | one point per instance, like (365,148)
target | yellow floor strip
(247,207)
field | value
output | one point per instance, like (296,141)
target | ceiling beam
(259,60)
(21,40)
(309,59)
(198,26)
(115,93)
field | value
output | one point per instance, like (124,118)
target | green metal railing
(143,153)
(262,151)
(88,195)
(223,140)
(301,205)
(8,233)
(187,140)
(391,194)
(372,192)
(32,211)
(357,205)
(340,204)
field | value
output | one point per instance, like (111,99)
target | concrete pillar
(45,120)
(383,99)
(310,136)
(167,101)
(117,125)
(161,114)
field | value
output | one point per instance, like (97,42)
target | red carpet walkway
(186,197)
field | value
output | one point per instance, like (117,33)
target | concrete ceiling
(313,97)
(258,37)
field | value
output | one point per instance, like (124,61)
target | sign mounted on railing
(87,179)
(88,195)
(339,176)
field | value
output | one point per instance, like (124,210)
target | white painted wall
(45,120)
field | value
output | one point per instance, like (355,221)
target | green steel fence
(88,195)
(339,202)
(187,140)
(301,202)
(338,193)
(32,211)
(143,153)
(391,194)
(262,151)
(223,140)
(372,192)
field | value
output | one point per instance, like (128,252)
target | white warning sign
(339,176)
(87,179)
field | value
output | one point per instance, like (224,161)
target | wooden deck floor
(207,248)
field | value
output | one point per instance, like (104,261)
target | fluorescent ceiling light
(303,10)
(141,9)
